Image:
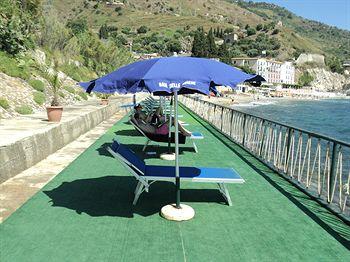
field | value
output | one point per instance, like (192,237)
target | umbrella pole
(134,99)
(169,137)
(177,169)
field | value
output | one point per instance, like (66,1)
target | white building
(287,73)
(273,71)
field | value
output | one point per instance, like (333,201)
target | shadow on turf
(159,149)
(113,196)
(128,132)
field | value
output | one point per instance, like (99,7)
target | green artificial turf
(86,214)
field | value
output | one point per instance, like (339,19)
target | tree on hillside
(78,26)
(211,46)
(334,64)
(259,27)
(103,32)
(199,45)
(251,31)
(142,29)
(224,54)
(275,31)
(217,31)
(173,46)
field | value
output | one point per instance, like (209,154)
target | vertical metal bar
(290,133)
(231,123)
(222,120)
(244,122)
(333,165)
(262,137)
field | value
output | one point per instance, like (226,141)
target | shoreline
(250,100)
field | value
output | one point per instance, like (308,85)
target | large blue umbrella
(171,76)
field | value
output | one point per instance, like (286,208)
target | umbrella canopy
(171,76)
(161,76)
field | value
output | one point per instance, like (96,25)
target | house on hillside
(346,66)
(230,38)
(274,72)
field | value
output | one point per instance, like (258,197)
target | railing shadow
(137,148)
(113,196)
(329,222)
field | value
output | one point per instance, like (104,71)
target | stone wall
(310,58)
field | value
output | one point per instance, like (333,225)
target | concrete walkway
(15,191)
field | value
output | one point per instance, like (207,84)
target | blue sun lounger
(148,174)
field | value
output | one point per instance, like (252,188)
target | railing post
(290,132)
(222,121)
(333,166)
(231,123)
(244,124)
(263,137)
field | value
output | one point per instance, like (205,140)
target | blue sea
(327,117)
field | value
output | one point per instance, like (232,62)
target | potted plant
(104,99)
(54,112)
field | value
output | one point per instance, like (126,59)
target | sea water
(326,117)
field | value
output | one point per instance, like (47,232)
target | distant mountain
(296,34)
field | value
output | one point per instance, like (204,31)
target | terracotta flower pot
(54,113)
(104,102)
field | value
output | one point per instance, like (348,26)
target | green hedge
(37,85)
(4,103)
(39,98)
(24,110)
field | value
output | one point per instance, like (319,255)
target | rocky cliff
(325,80)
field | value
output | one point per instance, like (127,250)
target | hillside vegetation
(166,17)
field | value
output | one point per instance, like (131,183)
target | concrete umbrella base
(168,156)
(170,212)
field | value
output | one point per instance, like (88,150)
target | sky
(331,12)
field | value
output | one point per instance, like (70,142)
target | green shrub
(69,89)
(83,95)
(142,29)
(78,98)
(24,110)
(61,94)
(305,79)
(78,25)
(4,103)
(78,73)
(276,31)
(251,31)
(39,98)
(37,85)
(10,66)
(126,30)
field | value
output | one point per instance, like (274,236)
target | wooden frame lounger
(148,174)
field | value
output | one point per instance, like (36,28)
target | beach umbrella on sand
(171,76)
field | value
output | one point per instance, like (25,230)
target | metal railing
(316,163)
